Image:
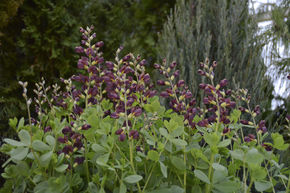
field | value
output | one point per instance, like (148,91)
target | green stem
(208,186)
(87,162)
(250,186)
(185,172)
(132,163)
(288,186)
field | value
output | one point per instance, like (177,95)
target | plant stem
(250,186)
(288,185)
(208,186)
(184,174)
(86,159)
(132,163)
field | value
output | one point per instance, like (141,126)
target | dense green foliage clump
(105,131)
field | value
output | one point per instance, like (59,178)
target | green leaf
(279,141)
(224,143)
(20,124)
(132,179)
(61,168)
(50,140)
(123,188)
(212,139)
(262,186)
(179,142)
(25,137)
(45,158)
(92,188)
(178,163)
(254,157)
(98,149)
(258,173)
(103,159)
(235,115)
(19,153)
(200,175)
(14,142)
(60,158)
(163,132)
(153,155)
(227,186)
(40,146)
(171,125)
(237,154)
(13,122)
(163,169)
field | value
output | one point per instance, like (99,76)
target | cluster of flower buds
(72,139)
(217,99)
(181,98)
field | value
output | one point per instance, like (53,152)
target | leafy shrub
(106,131)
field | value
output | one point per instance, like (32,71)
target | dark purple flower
(100,44)
(226,130)
(93,69)
(136,111)
(146,78)
(79,160)
(164,94)
(114,115)
(138,148)
(201,72)
(223,82)
(173,65)
(110,65)
(86,127)
(180,83)
(247,139)
(245,122)
(157,66)
(202,86)
(176,73)
(79,49)
(143,62)
(134,134)
(127,57)
(161,82)
(188,95)
(77,110)
(229,92)
(267,147)
(214,64)
(82,30)
(257,110)
(203,123)
(67,149)
(78,143)
(192,102)
(242,109)
(119,131)
(122,137)
(47,129)
(252,136)
(66,130)
(288,76)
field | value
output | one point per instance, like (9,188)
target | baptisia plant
(105,130)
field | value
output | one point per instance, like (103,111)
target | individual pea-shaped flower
(67,149)
(66,130)
(134,134)
(203,123)
(164,94)
(79,160)
(223,82)
(136,111)
(161,82)
(244,122)
(267,146)
(122,137)
(86,127)
(47,129)
(62,139)
(201,72)
(249,138)
(114,115)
